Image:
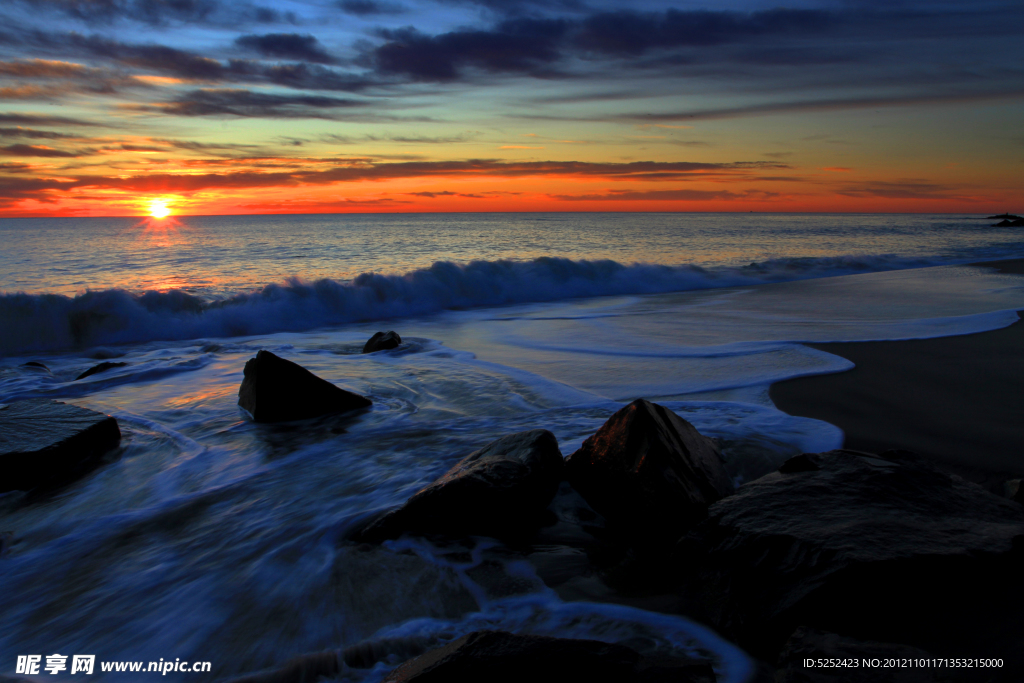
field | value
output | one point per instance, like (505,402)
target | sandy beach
(957,398)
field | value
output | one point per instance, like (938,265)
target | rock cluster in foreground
(278,390)
(875,547)
(45,442)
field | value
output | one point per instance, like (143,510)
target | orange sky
(746,108)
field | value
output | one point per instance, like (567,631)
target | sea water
(210,538)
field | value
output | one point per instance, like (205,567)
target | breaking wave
(45,322)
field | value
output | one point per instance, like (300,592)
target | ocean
(207,537)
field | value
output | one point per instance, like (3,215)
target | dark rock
(301,669)
(499,657)
(1009,216)
(883,548)
(1014,491)
(808,643)
(501,488)
(35,364)
(102,367)
(43,441)
(382,341)
(649,470)
(277,390)
(805,462)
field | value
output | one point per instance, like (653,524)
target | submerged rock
(500,657)
(44,441)
(277,390)
(650,471)
(503,487)
(36,365)
(884,548)
(381,341)
(101,367)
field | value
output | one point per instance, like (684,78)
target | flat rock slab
(503,487)
(650,471)
(42,441)
(278,390)
(500,657)
(877,547)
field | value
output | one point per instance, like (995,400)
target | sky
(121,107)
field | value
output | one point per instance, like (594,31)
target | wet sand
(958,399)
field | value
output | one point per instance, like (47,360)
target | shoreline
(956,399)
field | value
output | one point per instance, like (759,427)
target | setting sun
(158,209)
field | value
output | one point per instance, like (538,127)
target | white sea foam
(41,322)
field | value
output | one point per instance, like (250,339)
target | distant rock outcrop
(44,442)
(1010,223)
(500,657)
(277,390)
(861,545)
(649,471)
(101,367)
(503,487)
(381,341)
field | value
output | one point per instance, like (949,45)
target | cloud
(534,45)
(303,48)
(360,170)
(15,189)
(43,68)
(149,11)
(34,151)
(446,193)
(664,195)
(514,46)
(189,66)
(153,57)
(634,33)
(208,147)
(43,120)
(799,106)
(366,8)
(903,189)
(246,103)
(335,139)
(162,12)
